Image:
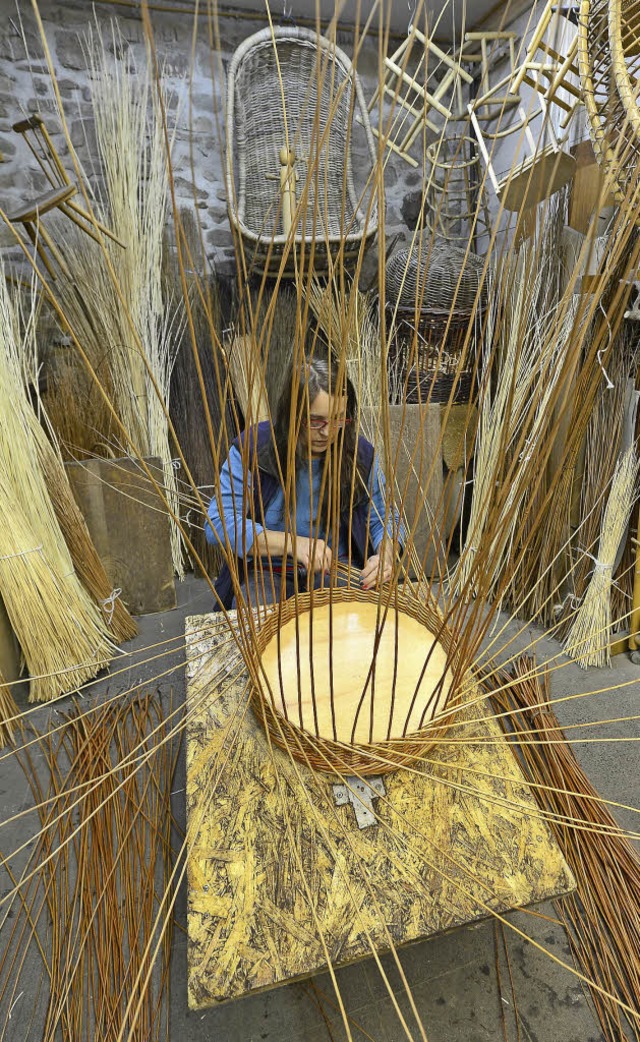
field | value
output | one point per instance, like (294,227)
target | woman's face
(327,417)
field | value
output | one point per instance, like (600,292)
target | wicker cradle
(327,124)
(433,293)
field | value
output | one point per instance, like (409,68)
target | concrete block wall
(194,79)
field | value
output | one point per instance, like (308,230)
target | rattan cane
(609,58)
(332,756)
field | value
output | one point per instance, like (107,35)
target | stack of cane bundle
(588,638)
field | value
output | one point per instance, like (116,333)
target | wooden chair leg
(36,239)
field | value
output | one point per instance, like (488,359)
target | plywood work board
(273,861)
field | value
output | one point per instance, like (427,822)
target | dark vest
(266,484)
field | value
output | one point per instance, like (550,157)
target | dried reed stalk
(248,379)
(76,411)
(603,445)
(603,917)
(348,319)
(86,561)
(62,634)
(588,640)
(513,420)
(113,297)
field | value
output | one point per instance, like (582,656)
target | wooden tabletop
(279,875)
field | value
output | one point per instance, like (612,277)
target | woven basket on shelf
(435,277)
(433,291)
(326,124)
(340,626)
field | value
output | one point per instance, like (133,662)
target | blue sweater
(242,530)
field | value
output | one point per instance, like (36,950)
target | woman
(298,499)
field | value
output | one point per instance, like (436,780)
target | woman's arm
(386,539)
(228,523)
(227,517)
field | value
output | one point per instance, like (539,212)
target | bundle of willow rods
(8,714)
(112,297)
(105,892)
(588,640)
(62,633)
(603,916)
(199,392)
(86,561)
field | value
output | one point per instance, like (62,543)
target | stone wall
(194,77)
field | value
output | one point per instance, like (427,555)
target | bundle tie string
(22,553)
(109,604)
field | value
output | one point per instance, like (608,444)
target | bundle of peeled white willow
(588,640)
(112,297)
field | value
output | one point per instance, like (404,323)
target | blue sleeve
(382,509)
(227,522)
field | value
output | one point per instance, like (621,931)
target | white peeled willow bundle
(588,640)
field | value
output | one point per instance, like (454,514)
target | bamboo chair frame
(405,90)
(60,197)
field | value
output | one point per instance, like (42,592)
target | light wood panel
(273,861)
(352,663)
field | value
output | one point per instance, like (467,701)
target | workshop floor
(454,979)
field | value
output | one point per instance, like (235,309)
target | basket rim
(337,755)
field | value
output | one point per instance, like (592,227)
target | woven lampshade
(346,681)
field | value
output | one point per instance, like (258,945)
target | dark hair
(319,370)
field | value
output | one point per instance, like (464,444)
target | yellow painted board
(274,864)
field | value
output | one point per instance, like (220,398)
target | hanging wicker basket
(346,686)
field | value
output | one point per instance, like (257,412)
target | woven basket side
(604,107)
(440,278)
(329,756)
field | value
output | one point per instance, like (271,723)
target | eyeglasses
(318,423)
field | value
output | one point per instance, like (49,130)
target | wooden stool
(60,197)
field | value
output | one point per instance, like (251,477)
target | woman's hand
(313,554)
(378,568)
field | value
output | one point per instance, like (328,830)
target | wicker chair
(609,55)
(298,72)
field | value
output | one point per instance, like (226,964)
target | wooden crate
(130,528)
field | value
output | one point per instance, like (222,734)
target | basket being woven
(314,652)
(609,61)
(434,276)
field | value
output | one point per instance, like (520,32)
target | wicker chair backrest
(298,71)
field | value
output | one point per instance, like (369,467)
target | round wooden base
(356,672)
